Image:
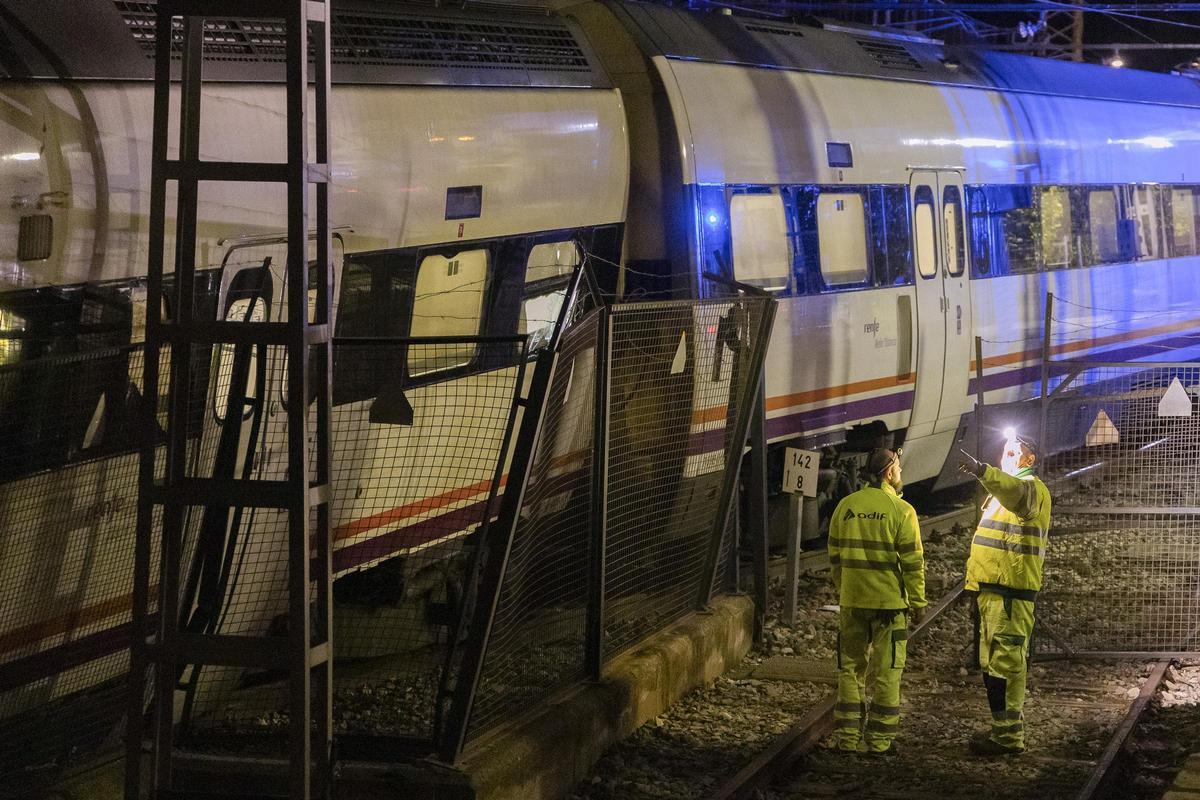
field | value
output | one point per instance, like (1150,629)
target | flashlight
(1010,433)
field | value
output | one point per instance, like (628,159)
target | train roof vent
(381,39)
(385,39)
(771,29)
(890,56)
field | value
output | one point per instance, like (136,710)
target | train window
(373,295)
(762,253)
(1056,227)
(447,301)
(551,260)
(953,230)
(891,229)
(842,238)
(546,273)
(245,309)
(1146,209)
(12,325)
(1102,219)
(1183,220)
(980,230)
(1003,230)
(925,240)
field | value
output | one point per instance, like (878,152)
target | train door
(943,302)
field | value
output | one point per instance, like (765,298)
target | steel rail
(809,729)
(928,523)
(1103,768)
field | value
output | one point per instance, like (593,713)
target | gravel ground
(717,729)
(1167,734)
(1071,711)
(1072,707)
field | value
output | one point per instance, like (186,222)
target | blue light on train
(966,141)
(1151,142)
(713,218)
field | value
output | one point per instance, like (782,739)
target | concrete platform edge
(547,754)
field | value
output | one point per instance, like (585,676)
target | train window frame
(958,265)
(1003,229)
(838,198)
(476,269)
(1148,228)
(393,273)
(891,229)
(546,286)
(1063,239)
(1109,219)
(250,308)
(1172,194)
(774,283)
(979,233)
(808,277)
(923,197)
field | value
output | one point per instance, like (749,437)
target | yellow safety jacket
(875,554)
(1010,543)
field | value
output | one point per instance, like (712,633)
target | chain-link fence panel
(68,505)
(419,430)
(682,389)
(1122,570)
(676,383)
(416,474)
(537,635)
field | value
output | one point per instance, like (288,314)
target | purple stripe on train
(828,416)
(65,656)
(1027,375)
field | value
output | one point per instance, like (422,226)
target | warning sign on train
(1176,402)
(1102,431)
(800,471)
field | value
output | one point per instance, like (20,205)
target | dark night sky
(1103,28)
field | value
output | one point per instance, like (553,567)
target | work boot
(982,744)
(891,749)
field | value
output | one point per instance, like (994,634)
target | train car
(478,157)
(897,196)
(900,197)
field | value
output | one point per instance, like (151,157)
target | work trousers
(870,642)
(1005,625)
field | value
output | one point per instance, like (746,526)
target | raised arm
(1018,496)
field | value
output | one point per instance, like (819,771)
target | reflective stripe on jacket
(1009,545)
(875,554)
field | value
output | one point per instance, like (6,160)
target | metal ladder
(160,647)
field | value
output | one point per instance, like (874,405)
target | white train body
(756,106)
(543,171)
(726,145)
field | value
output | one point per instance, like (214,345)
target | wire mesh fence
(537,638)
(633,465)
(419,432)
(680,393)
(68,500)
(416,476)
(1123,567)
(654,398)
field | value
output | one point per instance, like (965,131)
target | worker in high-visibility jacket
(1005,568)
(878,566)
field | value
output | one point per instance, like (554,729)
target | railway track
(1079,716)
(817,559)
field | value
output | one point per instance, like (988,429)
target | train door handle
(958,319)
